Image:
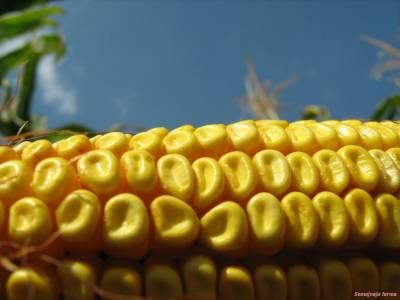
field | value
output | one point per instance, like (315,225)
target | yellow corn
(247,188)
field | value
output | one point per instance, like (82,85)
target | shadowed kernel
(334,222)
(235,283)
(176,176)
(364,274)
(122,281)
(364,172)
(98,170)
(335,280)
(240,174)
(200,277)
(126,226)
(303,283)
(301,220)
(77,280)
(270,282)
(163,281)
(305,177)
(389,274)
(175,222)
(267,223)
(363,216)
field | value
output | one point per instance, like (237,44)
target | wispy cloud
(56,92)
(123,104)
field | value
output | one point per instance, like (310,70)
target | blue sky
(155,63)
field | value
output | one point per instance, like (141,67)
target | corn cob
(200,276)
(253,186)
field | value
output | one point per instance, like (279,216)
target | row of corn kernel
(206,181)
(216,139)
(199,276)
(125,227)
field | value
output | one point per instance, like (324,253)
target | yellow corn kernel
(53,179)
(77,279)
(98,170)
(30,221)
(209,180)
(73,146)
(3,219)
(243,136)
(121,281)
(363,216)
(235,283)
(302,138)
(273,170)
(21,146)
(280,123)
(389,274)
(347,134)
(31,283)
(305,177)
(335,280)
(270,282)
(303,283)
(301,220)
(162,281)
(160,131)
(176,176)
(93,140)
(334,176)
(200,277)
(388,209)
(36,151)
(240,174)
(352,122)
(78,217)
(275,137)
(176,224)
(15,178)
(213,139)
(181,142)
(126,226)
(364,172)
(267,223)
(388,135)
(148,141)
(115,142)
(325,135)
(370,137)
(394,154)
(334,223)
(224,228)
(389,179)
(364,274)
(7,154)
(331,122)
(139,170)
(187,127)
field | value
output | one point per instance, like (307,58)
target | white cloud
(123,104)
(55,91)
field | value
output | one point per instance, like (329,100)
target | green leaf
(28,20)
(43,45)
(315,112)
(387,109)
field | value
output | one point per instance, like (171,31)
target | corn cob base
(249,188)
